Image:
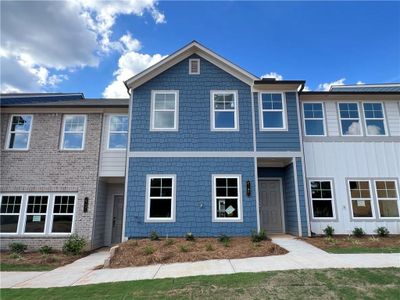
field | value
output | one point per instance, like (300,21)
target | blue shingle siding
(302,198)
(290,201)
(193,196)
(194,111)
(279,140)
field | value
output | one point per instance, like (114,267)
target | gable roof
(192,48)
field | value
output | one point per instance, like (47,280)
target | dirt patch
(145,252)
(343,242)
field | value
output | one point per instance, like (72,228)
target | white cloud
(327,85)
(353,129)
(306,88)
(360,82)
(42,38)
(273,75)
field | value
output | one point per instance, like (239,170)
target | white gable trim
(185,52)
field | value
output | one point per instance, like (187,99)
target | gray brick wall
(45,168)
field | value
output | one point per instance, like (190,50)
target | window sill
(227,221)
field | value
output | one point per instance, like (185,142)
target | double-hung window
(19,132)
(272,111)
(224,115)
(227,200)
(361,199)
(63,213)
(73,135)
(322,199)
(10,213)
(164,110)
(374,118)
(349,119)
(388,201)
(118,132)
(313,119)
(36,212)
(160,199)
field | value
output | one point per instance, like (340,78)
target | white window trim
(7,145)
(190,66)
(391,199)
(351,199)
(63,133)
(214,198)
(318,199)
(109,131)
(147,218)
(323,118)
(46,223)
(176,110)
(340,119)
(235,110)
(59,214)
(383,119)
(21,214)
(283,111)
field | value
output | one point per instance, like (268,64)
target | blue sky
(320,42)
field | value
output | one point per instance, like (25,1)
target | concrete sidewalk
(301,256)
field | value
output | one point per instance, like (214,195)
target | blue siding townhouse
(206,138)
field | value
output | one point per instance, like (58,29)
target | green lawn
(301,284)
(353,250)
(26,268)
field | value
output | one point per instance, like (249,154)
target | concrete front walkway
(301,256)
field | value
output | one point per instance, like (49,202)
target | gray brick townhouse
(62,168)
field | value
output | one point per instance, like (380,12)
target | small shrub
(189,236)
(74,244)
(226,243)
(184,248)
(169,242)
(355,242)
(16,256)
(329,230)
(18,248)
(258,237)
(45,250)
(382,231)
(223,238)
(148,250)
(209,247)
(358,232)
(330,240)
(154,236)
(374,239)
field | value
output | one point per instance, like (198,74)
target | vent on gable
(194,66)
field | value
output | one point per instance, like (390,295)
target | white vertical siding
(393,117)
(332,123)
(342,160)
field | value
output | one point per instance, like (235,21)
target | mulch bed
(345,241)
(56,258)
(143,252)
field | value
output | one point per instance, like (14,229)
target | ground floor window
(386,192)
(322,199)
(160,200)
(361,200)
(227,197)
(63,214)
(10,213)
(36,213)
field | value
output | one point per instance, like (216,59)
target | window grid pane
(387,199)
(361,200)
(224,106)
(36,214)
(313,118)
(164,110)
(19,131)
(118,132)
(322,199)
(272,111)
(10,212)
(63,214)
(349,119)
(161,197)
(374,118)
(227,197)
(73,134)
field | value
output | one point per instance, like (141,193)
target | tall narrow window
(361,201)
(227,203)
(36,214)
(374,119)
(313,119)
(224,110)
(194,66)
(10,212)
(164,114)
(322,199)
(349,119)
(73,137)
(273,111)
(19,132)
(388,200)
(63,213)
(160,198)
(118,132)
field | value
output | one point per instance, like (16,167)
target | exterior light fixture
(85,205)
(248,188)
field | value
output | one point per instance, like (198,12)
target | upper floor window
(322,199)
(227,200)
(164,110)
(273,111)
(160,200)
(194,66)
(374,118)
(118,132)
(19,132)
(224,115)
(313,118)
(10,213)
(349,119)
(73,135)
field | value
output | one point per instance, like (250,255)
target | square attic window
(194,66)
